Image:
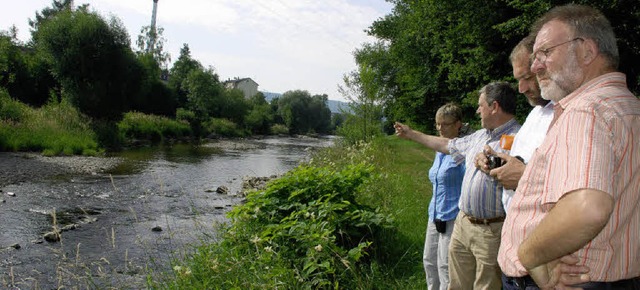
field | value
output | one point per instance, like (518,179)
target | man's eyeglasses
(542,54)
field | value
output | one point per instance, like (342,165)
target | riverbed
(122,219)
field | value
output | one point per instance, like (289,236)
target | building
(248,86)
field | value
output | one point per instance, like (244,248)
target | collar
(595,83)
(504,128)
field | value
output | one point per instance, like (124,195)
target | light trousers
(436,256)
(473,255)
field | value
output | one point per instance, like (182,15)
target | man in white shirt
(533,130)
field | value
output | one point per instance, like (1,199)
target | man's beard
(564,82)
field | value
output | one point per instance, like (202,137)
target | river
(133,219)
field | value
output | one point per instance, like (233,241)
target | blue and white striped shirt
(446,177)
(481,195)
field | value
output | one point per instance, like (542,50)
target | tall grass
(292,234)
(140,126)
(56,128)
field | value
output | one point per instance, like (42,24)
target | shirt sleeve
(584,156)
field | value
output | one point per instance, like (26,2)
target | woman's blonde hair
(450,110)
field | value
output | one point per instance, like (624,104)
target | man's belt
(479,221)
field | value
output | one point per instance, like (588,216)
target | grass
(140,126)
(54,129)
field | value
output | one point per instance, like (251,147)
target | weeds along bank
(56,128)
(349,218)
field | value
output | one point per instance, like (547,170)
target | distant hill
(333,105)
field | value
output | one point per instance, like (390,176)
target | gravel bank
(20,167)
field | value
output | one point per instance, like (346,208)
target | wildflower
(256,240)
(268,249)
(318,248)
(177,268)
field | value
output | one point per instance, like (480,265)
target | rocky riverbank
(21,167)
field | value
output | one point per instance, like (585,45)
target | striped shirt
(481,195)
(446,177)
(595,144)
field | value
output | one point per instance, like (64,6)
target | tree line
(430,52)
(77,55)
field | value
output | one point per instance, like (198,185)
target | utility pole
(152,42)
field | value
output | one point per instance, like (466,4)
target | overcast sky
(281,44)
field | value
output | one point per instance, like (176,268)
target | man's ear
(495,106)
(589,51)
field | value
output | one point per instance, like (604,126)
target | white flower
(268,249)
(318,248)
(255,240)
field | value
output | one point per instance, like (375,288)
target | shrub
(279,129)
(136,125)
(223,127)
(306,230)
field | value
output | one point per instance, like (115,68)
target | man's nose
(536,66)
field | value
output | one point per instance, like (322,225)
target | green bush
(306,230)
(223,127)
(279,129)
(136,125)
(11,110)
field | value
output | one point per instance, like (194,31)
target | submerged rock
(222,190)
(255,183)
(156,229)
(52,237)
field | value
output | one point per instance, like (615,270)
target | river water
(121,225)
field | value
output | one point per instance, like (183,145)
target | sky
(283,45)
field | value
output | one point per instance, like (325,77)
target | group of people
(557,210)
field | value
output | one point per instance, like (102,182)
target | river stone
(15,246)
(52,236)
(222,189)
(11,194)
(156,229)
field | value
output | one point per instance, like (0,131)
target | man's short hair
(588,23)
(525,46)
(503,93)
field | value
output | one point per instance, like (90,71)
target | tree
(436,51)
(179,72)
(49,12)
(365,121)
(92,60)
(233,106)
(260,116)
(152,42)
(303,113)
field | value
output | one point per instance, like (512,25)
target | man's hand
(560,274)
(482,162)
(510,172)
